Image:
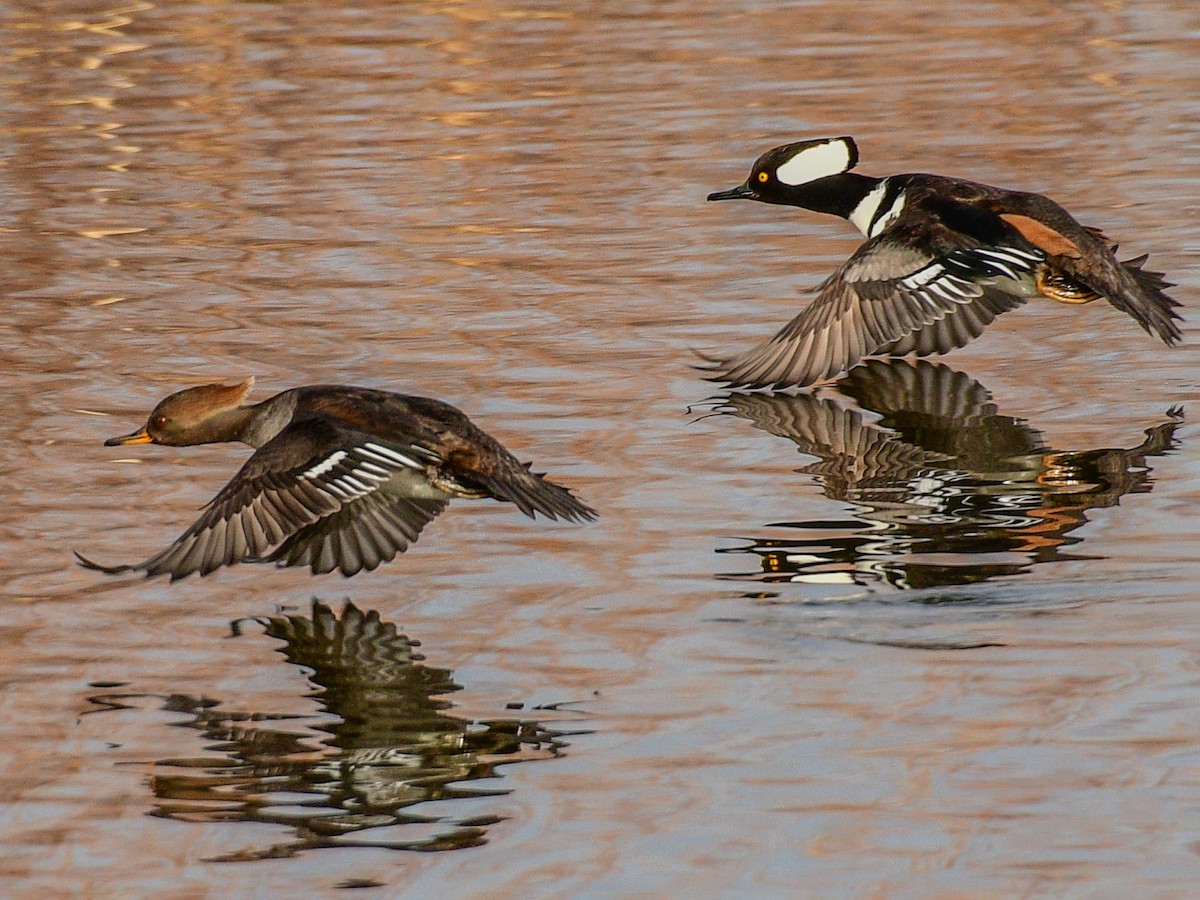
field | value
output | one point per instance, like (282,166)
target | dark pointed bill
(741,192)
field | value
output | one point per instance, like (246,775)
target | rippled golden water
(720,688)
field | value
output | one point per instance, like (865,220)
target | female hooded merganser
(943,258)
(343,477)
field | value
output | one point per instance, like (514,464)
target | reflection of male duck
(945,489)
(390,746)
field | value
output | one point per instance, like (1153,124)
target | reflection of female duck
(390,745)
(941,472)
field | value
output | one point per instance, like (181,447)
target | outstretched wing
(351,502)
(890,298)
(363,534)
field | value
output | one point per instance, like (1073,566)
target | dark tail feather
(533,493)
(1148,278)
(1156,311)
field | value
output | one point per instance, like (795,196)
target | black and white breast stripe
(879,208)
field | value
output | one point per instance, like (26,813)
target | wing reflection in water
(349,781)
(945,490)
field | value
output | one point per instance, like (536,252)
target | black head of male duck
(342,478)
(943,258)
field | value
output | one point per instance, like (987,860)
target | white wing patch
(935,281)
(324,465)
(374,472)
(960,276)
(387,455)
(346,488)
(952,290)
(346,478)
(922,276)
(811,163)
(1005,258)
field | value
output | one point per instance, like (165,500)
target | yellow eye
(763,177)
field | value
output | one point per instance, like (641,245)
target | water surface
(932,632)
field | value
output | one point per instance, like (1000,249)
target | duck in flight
(342,477)
(943,257)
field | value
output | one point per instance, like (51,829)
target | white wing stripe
(387,455)
(336,489)
(964,290)
(349,481)
(1003,268)
(1012,254)
(324,465)
(941,289)
(924,276)
(1007,258)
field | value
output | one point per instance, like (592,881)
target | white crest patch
(815,162)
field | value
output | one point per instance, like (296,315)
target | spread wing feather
(273,504)
(361,535)
(889,299)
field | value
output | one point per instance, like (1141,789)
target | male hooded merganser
(943,258)
(343,477)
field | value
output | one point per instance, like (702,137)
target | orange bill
(138,437)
